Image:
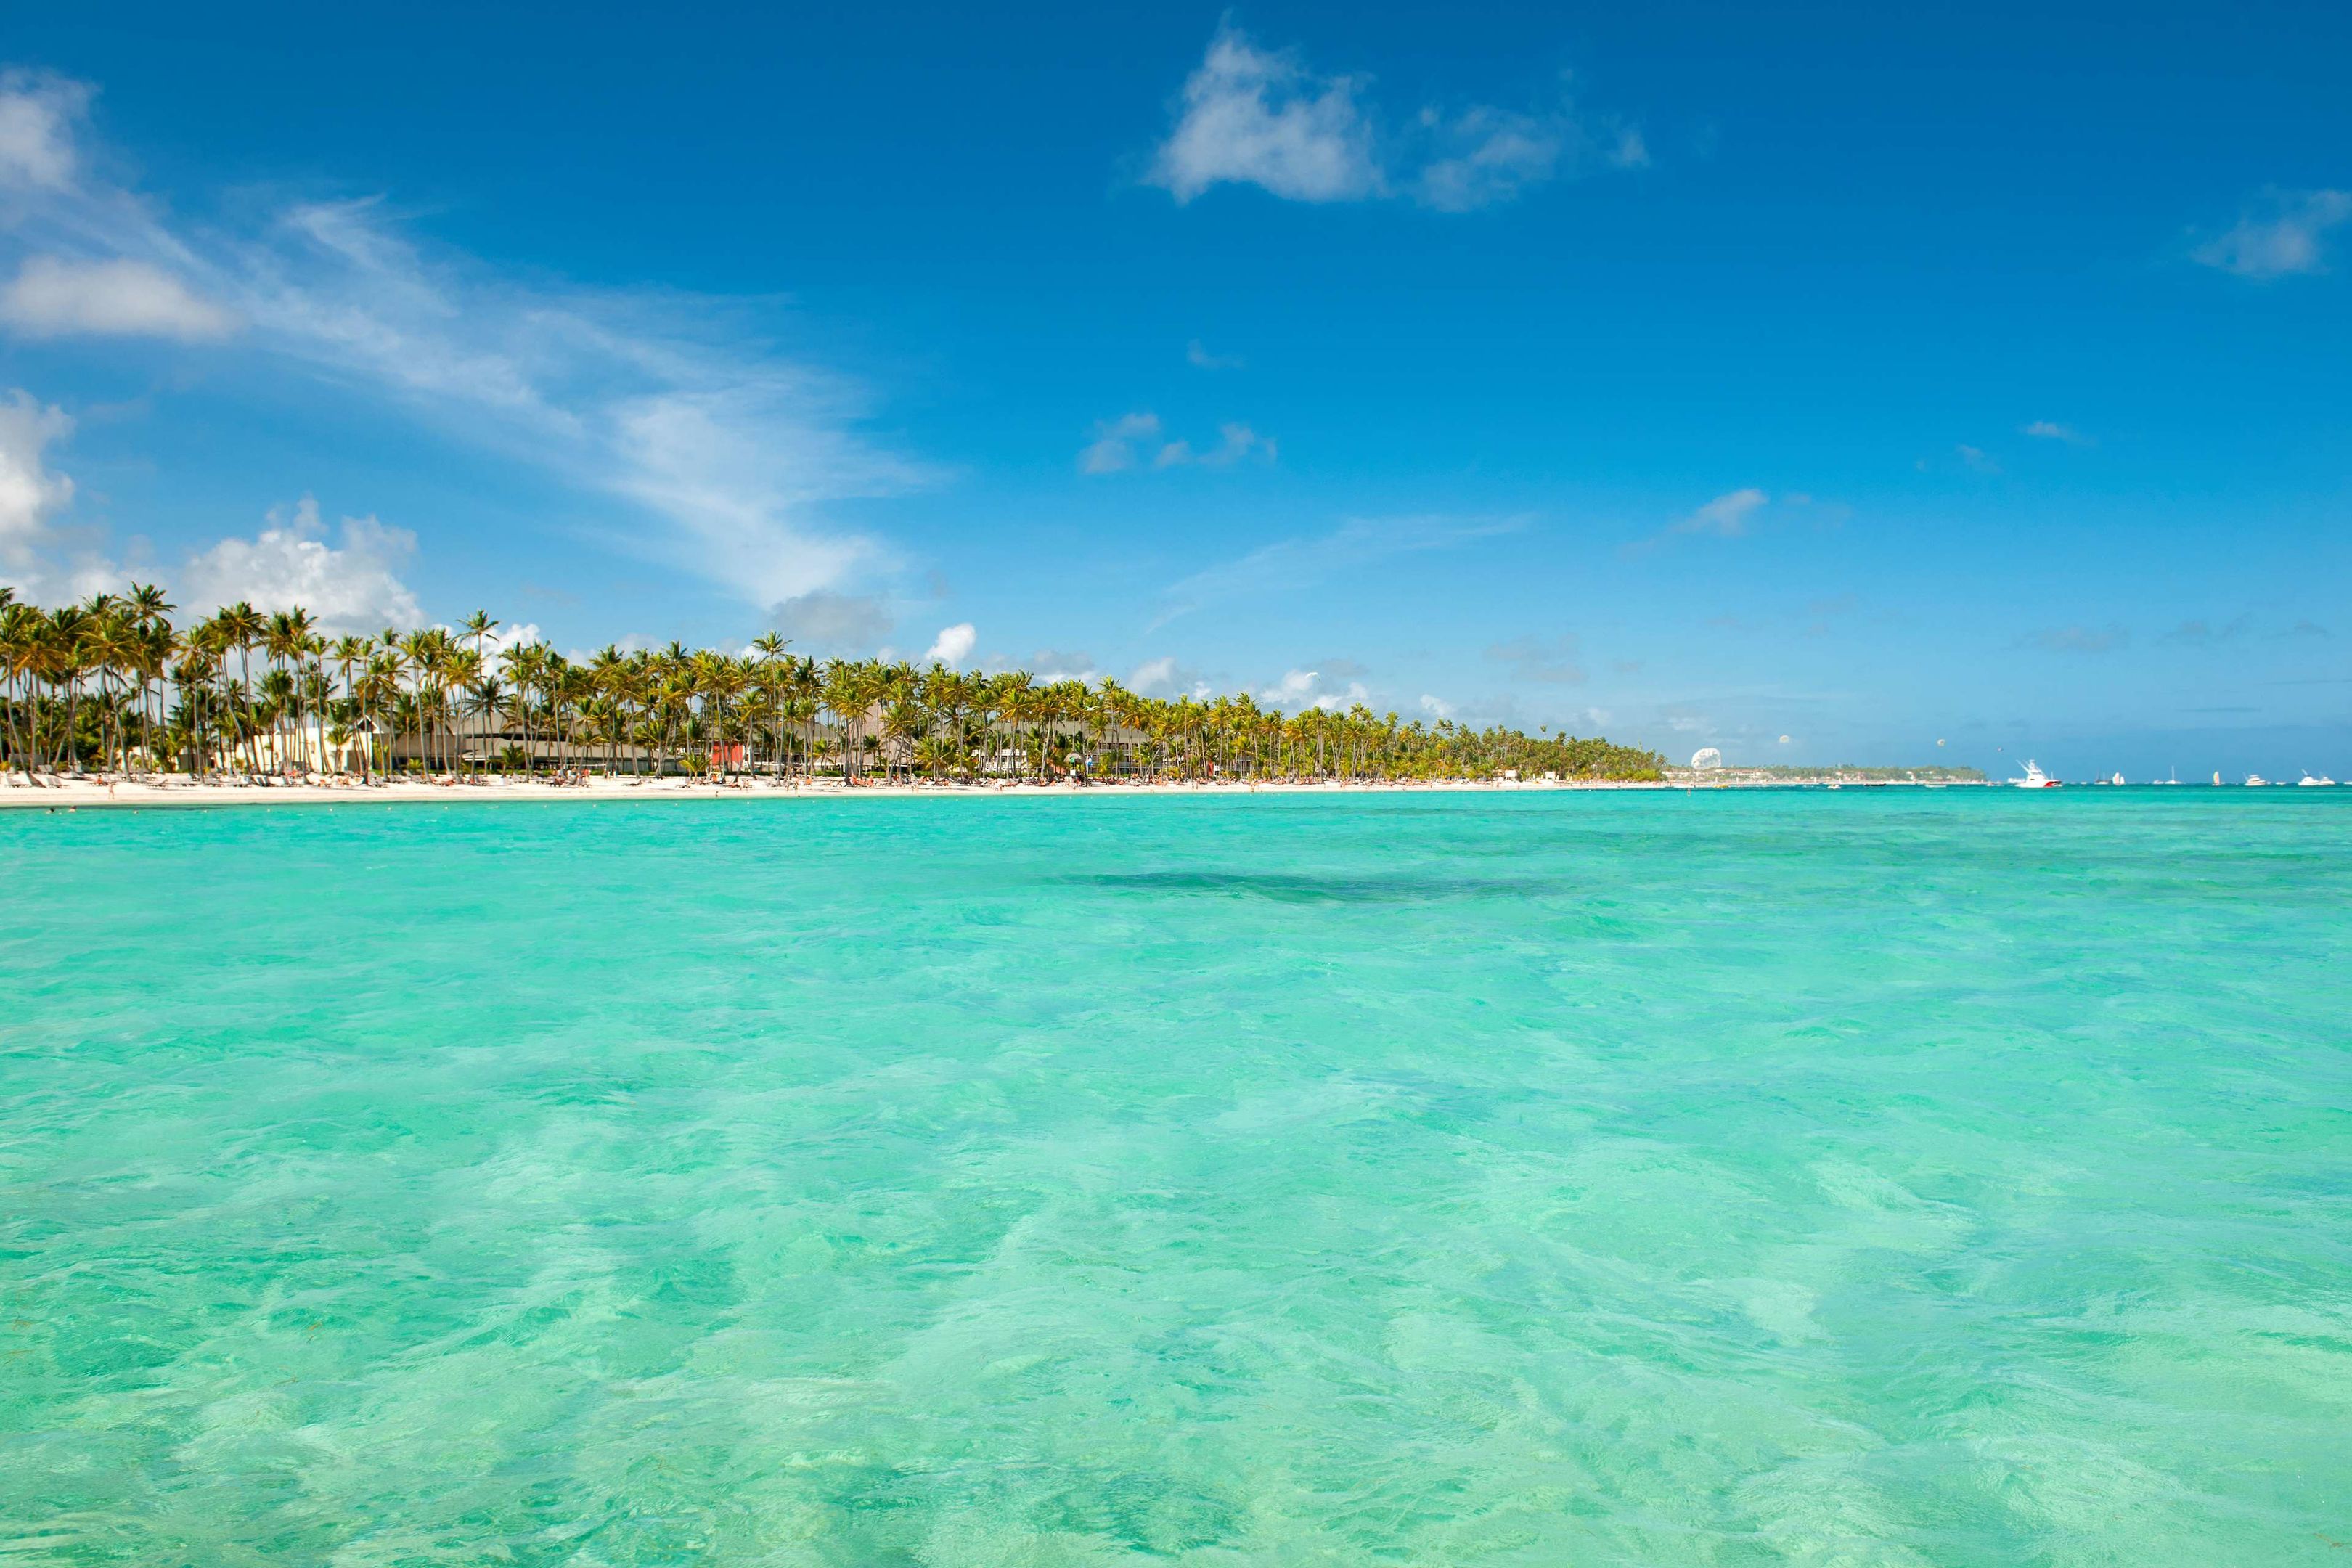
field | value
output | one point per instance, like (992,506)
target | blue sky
(1693,375)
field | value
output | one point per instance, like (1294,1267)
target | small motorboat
(2307,782)
(2255,781)
(2034,778)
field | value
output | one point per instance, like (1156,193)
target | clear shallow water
(1856,1179)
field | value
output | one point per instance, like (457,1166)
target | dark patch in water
(1303,888)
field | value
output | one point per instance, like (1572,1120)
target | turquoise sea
(1867,1178)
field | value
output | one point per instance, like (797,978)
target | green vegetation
(112,684)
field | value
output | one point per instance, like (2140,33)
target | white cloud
(1259,117)
(1113,447)
(1116,443)
(1499,156)
(1163,676)
(630,643)
(39,554)
(1235,442)
(739,465)
(953,646)
(1294,685)
(2051,430)
(1310,688)
(31,493)
(1200,358)
(54,298)
(1436,706)
(1292,563)
(727,458)
(289,564)
(1254,117)
(502,638)
(1976,460)
(1153,676)
(2283,235)
(1727,516)
(37,112)
(827,622)
(1055,664)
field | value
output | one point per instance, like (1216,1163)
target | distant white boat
(2034,778)
(2255,781)
(2217,776)
(2117,779)
(2307,781)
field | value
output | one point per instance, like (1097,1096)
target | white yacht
(2308,782)
(2034,778)
(2255,781)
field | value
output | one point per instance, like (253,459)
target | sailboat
(2217,778)
(2034,778)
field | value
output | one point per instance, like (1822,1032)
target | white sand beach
(76,792)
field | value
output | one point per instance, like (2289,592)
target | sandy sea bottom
(1923,1179)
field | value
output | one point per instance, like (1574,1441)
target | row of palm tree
(112,684)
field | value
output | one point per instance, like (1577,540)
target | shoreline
(182,794)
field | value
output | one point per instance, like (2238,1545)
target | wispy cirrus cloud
(2051,430)
(729,458)
(1731,515)
(1290,564)
(2282,234)
(1255,116)
(1727,516)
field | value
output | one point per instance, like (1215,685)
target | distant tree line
(113,684)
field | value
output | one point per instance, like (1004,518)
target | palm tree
(74,680)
